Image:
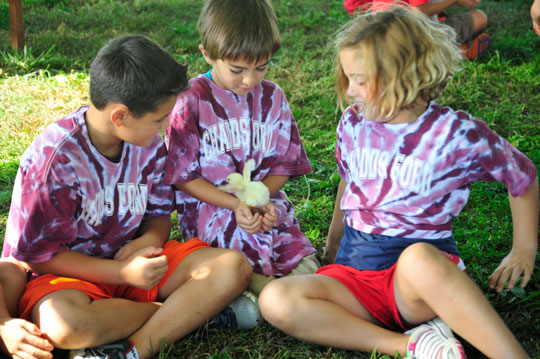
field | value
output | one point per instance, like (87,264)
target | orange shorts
(45,284)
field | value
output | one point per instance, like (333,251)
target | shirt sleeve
(291,159)
(497,160)
(161,196)
(182,139)
(42,222)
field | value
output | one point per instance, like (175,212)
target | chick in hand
(252,193)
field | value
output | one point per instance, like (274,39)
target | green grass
(49,79)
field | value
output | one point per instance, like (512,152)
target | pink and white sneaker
(434,340)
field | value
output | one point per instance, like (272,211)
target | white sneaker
(434,340)
(246,310)
(243,313)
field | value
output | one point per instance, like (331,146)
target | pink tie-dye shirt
(411,179)
(68,196)
(213,132)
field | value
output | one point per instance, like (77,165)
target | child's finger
(526,276)
(514,277)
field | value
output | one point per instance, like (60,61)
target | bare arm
(206,192)
(520,261)
(18,338)
(275,183)
(337,228)
(141,265)
(436,7)
(153,232)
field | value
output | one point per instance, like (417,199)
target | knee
(421,258)
(58,320)
(241,266)
(234,267)
(12,275)
(277,304)
(480,20)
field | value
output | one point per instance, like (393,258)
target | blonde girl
(397,283)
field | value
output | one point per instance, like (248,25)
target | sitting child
(468,25)
(91,217)
(18,337)
(228,116)
(406,165)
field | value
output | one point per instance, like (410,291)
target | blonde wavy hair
(405,56)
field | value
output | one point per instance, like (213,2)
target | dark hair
(239,29)
(135,71)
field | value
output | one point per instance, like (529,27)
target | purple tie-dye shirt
(68,196)
(411,179)
(213,132)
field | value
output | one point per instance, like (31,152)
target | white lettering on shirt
(408,172)
(131,197)
(233,133)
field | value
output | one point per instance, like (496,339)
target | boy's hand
(129,248)
(269,216)
(249,222)
(23,339)
(145,268)
(517,263)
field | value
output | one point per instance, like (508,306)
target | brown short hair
(239,29)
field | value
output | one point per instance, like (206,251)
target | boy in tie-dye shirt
(229,115)
(90,217)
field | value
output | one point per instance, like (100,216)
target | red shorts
(45,284)
(374,289)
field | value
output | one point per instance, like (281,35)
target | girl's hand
(519,262)
(145,268)
(269,219)
(249,222)
(23,339)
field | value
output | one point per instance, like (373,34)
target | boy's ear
(119,114)
(207,58)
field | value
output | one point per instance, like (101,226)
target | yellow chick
(252,193)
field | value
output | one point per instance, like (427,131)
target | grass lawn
(49,79)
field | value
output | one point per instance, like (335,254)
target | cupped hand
(269,216)
(249,222)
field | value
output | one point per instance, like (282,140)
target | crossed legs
(426,284)
(200,287)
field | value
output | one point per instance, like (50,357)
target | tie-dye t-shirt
(68,196)
(409,180)
(213,133)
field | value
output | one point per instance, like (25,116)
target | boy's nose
(165,123)
(250,80)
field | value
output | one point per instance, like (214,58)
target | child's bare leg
(204,283)
(321,310)
(12,284)
(535,12)
(72,320)
(426,284)
(480,20)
